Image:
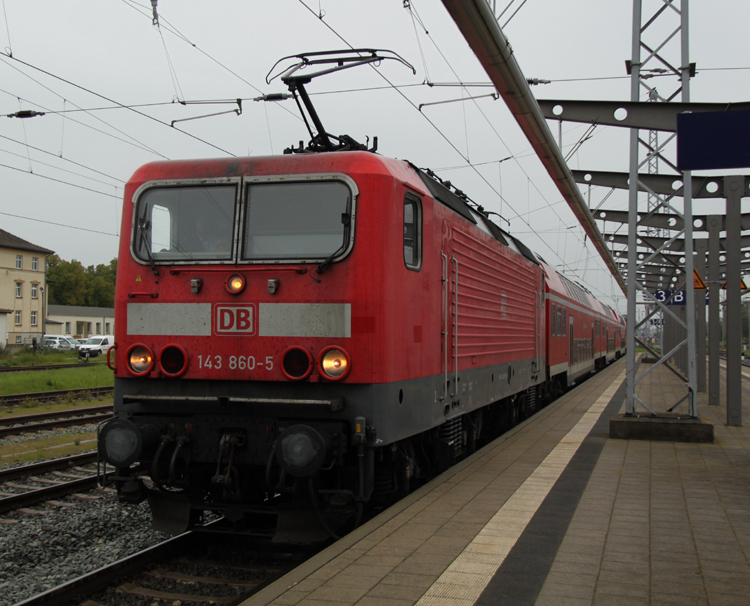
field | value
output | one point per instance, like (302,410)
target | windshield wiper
(144,226)
(346,219)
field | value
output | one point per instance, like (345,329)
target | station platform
(555,513)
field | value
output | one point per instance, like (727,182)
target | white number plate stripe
(179,319)
(332,320)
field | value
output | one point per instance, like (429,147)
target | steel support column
(701,248)
(733,190)
(714,330)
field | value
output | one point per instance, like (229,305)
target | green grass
(26,357)
(47,447)
(33,381)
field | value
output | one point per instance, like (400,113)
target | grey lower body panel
(395,410)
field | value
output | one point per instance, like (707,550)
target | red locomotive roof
(293,164)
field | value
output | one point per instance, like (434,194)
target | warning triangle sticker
(698,283)
(138,278)
(743,286)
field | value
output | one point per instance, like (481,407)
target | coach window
(564,322)
(559,321)
(412,233)
(552,317)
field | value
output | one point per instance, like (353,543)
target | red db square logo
(234,319)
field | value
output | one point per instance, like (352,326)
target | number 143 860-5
(234,362)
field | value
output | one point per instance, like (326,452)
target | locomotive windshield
(185,223)
(304,220)
(308,220)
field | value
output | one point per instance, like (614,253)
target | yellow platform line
(467,577)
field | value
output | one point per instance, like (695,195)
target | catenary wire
(142,114)
(21,170)
(95,231)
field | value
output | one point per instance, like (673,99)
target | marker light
(235,284)
(334,363)
(140,359)
(173,360)
(297,363)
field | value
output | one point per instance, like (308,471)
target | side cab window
(412,232)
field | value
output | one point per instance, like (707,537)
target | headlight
(334,363)
(140,359)
(120,443)
(235,284)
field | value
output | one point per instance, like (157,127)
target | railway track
(45,367)
(45,481)
(196,568)
(13,426)
(47,396)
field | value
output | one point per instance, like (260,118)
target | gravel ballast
(40,552)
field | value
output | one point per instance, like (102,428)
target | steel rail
(39,495)
(43,396)
(45,425)
(46,367)
(60,414)
(22,471)
(101,578)
(481,30)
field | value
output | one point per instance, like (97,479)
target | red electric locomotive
(318,329)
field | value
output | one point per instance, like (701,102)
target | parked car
(56,342)
(74,342)
(96,346)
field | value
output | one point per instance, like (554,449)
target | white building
(80,322)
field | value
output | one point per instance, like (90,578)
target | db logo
(234,319)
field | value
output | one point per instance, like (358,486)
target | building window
(18,290)
(412,233)
(33,318)
(18,317)
(108,329)
(35,291)
(67,328)
(19,261)
(35,263)
(98,328)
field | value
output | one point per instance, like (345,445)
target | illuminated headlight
(140,359)
(235,284)
(334,363)
(120,443)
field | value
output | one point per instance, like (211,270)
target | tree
(71,284)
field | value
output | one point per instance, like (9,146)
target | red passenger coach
(583,333)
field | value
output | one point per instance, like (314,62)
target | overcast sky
(63,173)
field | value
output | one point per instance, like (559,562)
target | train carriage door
(539,322)
(572,342)
(449,308)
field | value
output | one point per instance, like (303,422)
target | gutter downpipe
(479,27)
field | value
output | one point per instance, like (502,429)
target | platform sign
(678,299)
(710,140)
